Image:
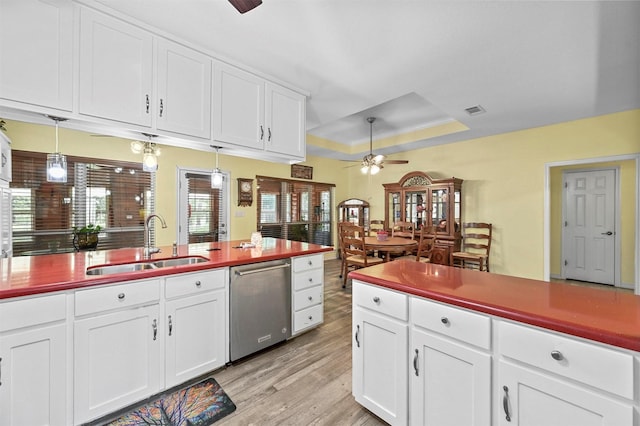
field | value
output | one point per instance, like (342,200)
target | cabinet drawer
(307,279)
(598,366)
(305,298)
(307,318)
(452,322)
(381,300)
(116,296)
(32,311)
(305,263)
(193,283)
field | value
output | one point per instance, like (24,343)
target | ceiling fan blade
(396,162)
(245,5)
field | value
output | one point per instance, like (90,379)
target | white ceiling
(416,64)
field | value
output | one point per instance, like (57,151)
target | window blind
(116,195)
(295,210)
(204,210)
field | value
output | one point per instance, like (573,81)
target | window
(295,210)
(113,194)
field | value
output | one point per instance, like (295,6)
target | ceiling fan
(371,164)
(245,5)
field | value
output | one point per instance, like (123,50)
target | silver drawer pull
(310,297)
(557,355)
(310,318)
(310,280)
(198,283)
(444,320)
(376,300)
(310,263)
(121,296)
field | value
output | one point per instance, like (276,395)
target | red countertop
(31,275)
(610,317)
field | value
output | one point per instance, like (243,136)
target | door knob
(607,233)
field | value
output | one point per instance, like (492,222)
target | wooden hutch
(425,201)
(355,211)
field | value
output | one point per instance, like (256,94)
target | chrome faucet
(148,250)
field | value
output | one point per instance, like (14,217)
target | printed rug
(200,404)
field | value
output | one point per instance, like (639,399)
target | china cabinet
(354,211)
(424,201)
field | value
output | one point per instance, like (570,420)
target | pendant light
(150,153)
(57,162)
(216,176)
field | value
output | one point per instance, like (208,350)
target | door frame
(226,209)
(617,238)
(547,209)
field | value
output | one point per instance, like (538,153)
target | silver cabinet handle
(310,298)
(0,371)
(356,336)
(415,362)
(269,138)
(310,318)
(310,280)
(261,133)
(557,355)
(505,403)
(376,300)
(154,327)
(147,104)
(198,283)
(170,325)
(444,320)
(161,107)
(121,296)
(310,263)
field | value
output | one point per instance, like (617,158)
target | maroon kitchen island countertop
(611,317)
(32,275)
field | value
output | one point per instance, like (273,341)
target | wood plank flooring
(305,381)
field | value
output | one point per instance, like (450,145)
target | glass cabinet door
(395,212)
(414,207)
(457,209)
(439,200)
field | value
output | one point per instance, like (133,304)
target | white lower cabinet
(117,347)
(450,378)
(307,300)
(380,338)
(196,325)
(33,357)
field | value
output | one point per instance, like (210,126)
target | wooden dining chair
(426,242)
(355,250)
(341,246)
(476,246)
(403,229)
(374,226)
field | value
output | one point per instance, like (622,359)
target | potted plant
(86,237)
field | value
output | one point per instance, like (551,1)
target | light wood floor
(305,381)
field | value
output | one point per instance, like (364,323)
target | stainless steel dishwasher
(260,306)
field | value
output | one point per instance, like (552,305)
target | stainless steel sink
(178,261)
(119,269)
(141,266)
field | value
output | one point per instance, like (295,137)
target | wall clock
(245,192)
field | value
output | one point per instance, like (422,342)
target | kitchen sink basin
(141,266)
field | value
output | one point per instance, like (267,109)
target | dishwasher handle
(255,271)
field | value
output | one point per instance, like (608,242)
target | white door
(529,398)
(450,384)
(202,210)
(195,336)
(33,377)
(380,365)
(589,237)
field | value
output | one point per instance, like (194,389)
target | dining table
(389,245)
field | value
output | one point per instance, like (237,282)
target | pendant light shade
(217,178)
(150,153)
(57,162)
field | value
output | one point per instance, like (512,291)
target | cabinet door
(380,365)
(529,398)
(238,107)
(195,328)
(116,74)
(285,121)
(33,377)
(36,41)
(450,384)
(117,360)
(184,90)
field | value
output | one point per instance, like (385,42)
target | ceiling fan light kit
(372,164)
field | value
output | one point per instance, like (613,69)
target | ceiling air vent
(475,110)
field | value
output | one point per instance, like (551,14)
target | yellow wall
(503,178)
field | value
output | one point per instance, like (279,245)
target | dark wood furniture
(355,250)
(476,245)
(424,201)
(355,211)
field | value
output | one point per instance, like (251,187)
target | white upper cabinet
(238,107)
(285,118)
(116,69)
(36,59)
(253,113)
(183,103)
